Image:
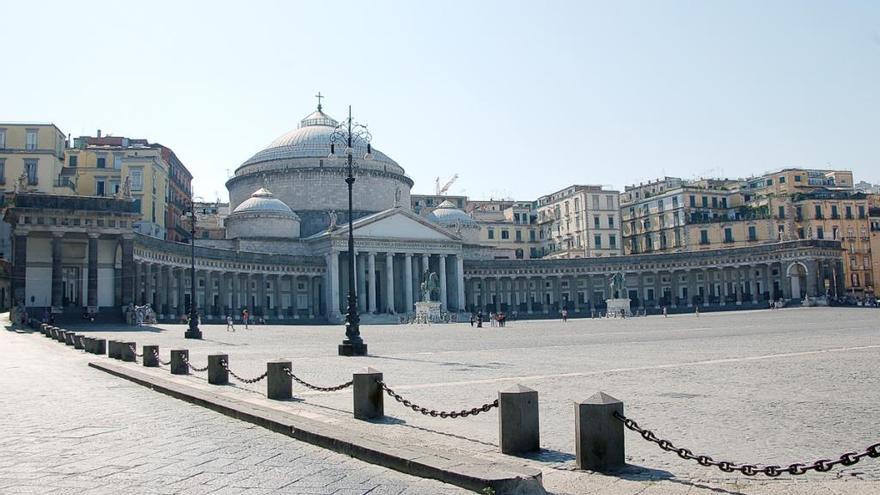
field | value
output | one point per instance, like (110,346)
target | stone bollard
(279,385)
(100,346)
(43,327)
(68,337)
(111,349)
(60,335)
(150,353)
(77,341)
(518,427)
(89,345)
(599,441)
(52,334)
(367,394)
(217,374)
(127,351)
(178,362)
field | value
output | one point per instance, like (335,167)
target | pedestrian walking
(491,319)
(229,324)
(697,311)
(564,315)
(665,313)
(473,318)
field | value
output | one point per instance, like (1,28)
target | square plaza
(764,387)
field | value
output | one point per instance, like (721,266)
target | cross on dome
(318,96)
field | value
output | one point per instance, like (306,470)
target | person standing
(697,311)
(564,315)
(665,313)
(229,323)
(245,315)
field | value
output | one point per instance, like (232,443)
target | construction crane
(440,191)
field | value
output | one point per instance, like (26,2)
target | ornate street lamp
(350,133)
(193,331)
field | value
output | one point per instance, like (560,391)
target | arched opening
(797,274)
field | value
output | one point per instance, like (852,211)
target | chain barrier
(315,387)
(434,413)
(133,351)
(159,359)
(243,380)
(820,466)
(186,361)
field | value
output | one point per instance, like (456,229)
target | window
(848,213)
(861,212)
(597,241)
(99,186)
(505,234)
(705,202)
(753,233)
(818,211)
(649,243)
(595,201)
(532,235)
(72,160)
(2,138)
(782,179)
(577,203)
(610,221)
(820,233)
(659,205)
(30,167)
(781,212)
(596,221)
(834,214)
(704,237)
(102,162)
(797,178)
(769,182)
(610,201)
(693,201)
(612,241)
(728,234)
(117,162)
(30,139)
(2,170)
(674,202)
(137,180)
(519,236)
(662,240)
(724,202)
(491,233)
(714,202)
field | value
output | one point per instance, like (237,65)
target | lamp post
(193,331)
(350,133)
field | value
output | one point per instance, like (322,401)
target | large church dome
(296,166)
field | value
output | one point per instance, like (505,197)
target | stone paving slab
(773,387)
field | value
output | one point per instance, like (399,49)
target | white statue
(126,187)
(397,197)
(332,215)
(21,185)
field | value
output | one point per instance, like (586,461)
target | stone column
(389,283)
(674,290)
(128,271)
(224,296)
(57,283)
(181,285)
(93,273)
(148,285)
(658,289)
(497,294)
(459,281)
(371,280)
(426,263)
(19,268)
(484,293)
(812,269)
(333,283)
(279,312)
(692,287)
(408,282)
(362,283)
(529,305)
(442,273)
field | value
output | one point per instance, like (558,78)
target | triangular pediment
(399,224)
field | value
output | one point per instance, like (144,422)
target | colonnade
(389,282)
(754,283)
(274,296)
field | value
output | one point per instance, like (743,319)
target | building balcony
(71,203)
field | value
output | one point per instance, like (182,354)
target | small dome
(263,201)
(448,214)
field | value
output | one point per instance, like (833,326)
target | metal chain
(315,387)
(434,413)
(820,466)
(135,352)
(163,363)
(244,380)
(186,361)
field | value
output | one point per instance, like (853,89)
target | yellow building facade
(100,166)
(34,152)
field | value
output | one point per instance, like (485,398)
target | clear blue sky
(519,98)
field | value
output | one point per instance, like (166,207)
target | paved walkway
(68,429)
(771,387)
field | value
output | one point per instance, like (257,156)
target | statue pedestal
(615,306)
(427,311)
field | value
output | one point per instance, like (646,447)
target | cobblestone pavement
(768,387)
(67,428)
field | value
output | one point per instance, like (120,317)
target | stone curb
(466,472)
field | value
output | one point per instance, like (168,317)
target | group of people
(246,319)
(495,319)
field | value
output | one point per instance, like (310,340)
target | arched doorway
(797,274)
